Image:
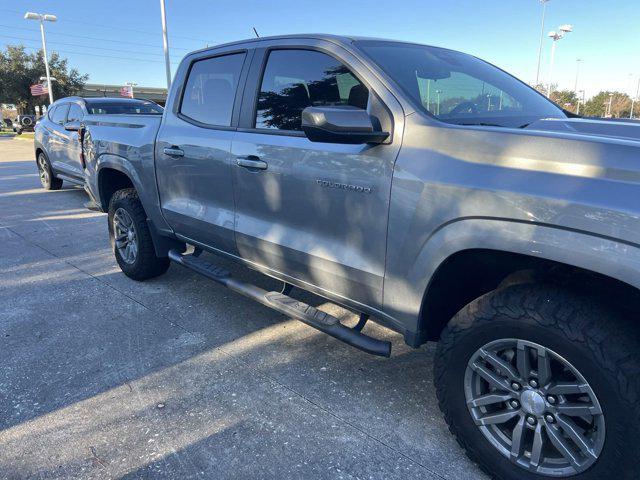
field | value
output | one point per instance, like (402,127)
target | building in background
(91,90)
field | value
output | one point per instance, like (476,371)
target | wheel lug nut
(549,418)
(515,386)
(531,420)
(533,383)
(515,404)
(551,399)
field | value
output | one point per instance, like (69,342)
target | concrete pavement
(104,377)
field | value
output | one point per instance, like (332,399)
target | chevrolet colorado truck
(421,187)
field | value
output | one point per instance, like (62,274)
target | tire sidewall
(527,328)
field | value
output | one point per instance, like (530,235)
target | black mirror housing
(347,125)
(73,126)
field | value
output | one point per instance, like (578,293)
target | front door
(70,157)
(316,212)
(193,162)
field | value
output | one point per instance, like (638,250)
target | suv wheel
(131,239)
(536,382)
(47,179)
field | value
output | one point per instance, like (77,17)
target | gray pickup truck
(422,187)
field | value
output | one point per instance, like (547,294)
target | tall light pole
(42,18)
(544,11)
(635,99)
(580,101)
(165,43)
(575,86)
(555,36)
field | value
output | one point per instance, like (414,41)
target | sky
(120,41)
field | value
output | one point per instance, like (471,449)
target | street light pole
(42,18)
(575,87)
(635,99)
(544,11)
(555,36)
(165,43)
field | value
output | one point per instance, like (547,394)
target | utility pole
(544,11)
(42,18)
(579,102)
(165,43)
(635,99)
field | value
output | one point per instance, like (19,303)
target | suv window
(60,113)
(75,113)
(296,79)
(211,89)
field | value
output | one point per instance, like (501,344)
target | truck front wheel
(131,239)
(536,382)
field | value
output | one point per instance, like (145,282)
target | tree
(19,70)
(566,99)
(597,105)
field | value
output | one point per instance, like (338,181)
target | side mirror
(73,126)
(340,125)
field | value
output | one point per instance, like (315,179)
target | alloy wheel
(534,407)
(43,171)
(126,239)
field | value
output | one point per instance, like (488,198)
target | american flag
(126,91)
(39,89)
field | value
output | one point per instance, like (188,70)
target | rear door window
(210,89)
(296,79)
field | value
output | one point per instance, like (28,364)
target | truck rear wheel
(536,382)
(131,239)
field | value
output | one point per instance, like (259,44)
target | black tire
(47,179)
(597,340)
(146,264)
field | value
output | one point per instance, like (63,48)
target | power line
(111,27)
(101,56)
(92,38)
(82,46)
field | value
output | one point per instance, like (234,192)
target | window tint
(123,108)
(75,113)
(60,113)
(211,89)
(458,88)
(296,79)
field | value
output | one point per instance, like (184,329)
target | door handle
(173,151)
(251,162)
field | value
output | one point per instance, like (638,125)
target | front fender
(404,290)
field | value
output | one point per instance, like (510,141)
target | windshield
(128,108)
(458,88)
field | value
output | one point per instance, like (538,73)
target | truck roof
(344,39)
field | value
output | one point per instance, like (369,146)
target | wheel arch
(469,258)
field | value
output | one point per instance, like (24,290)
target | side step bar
(286,305)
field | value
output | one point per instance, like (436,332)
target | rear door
(316,212)
(193,149)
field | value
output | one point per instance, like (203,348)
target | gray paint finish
(557,189)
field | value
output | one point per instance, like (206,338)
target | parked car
(59,133)
(422,187)
(24,123)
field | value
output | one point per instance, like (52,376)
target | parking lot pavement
(104,377)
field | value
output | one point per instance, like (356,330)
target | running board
(286,305)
